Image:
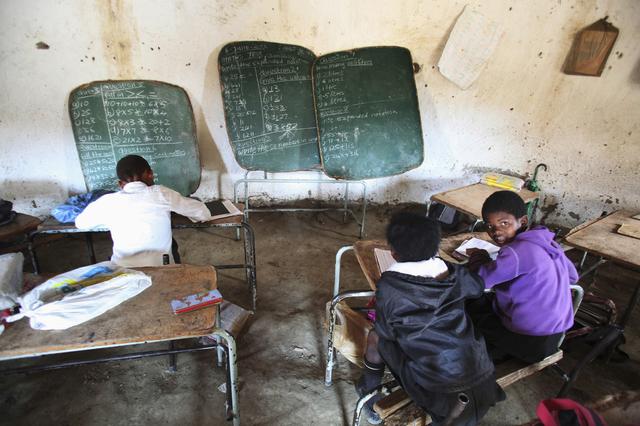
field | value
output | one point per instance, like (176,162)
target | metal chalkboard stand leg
(247,181)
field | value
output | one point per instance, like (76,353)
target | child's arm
(477,258)
(193,209)
(505,268)
(92,216)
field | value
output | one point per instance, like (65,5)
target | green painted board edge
(367,147)
(261,139)
(179,170)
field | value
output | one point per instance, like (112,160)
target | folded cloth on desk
(77,296)
(67,212)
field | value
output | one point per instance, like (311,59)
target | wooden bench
(398,409)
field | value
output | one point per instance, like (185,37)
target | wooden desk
(367,260)
(600,238)
(469,199)
(52,226)
(23,224)
(142,319)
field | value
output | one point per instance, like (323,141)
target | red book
(196,301)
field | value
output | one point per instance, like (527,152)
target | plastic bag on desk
(77,296)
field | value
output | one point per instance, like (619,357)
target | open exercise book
(222,208)
(383,259)
(461,252)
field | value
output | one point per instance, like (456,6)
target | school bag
(6,212)
(566,412)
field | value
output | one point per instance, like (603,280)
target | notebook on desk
(461,252)
(220,209)
(384,260)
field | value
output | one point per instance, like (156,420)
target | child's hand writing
(477,258)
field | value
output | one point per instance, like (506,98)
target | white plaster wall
(521,111)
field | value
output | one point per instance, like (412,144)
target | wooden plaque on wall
(591,48)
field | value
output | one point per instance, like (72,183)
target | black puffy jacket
(425,337)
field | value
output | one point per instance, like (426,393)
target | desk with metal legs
(364,251)
(600,237)
(145,318)
(469,199)
(52,226)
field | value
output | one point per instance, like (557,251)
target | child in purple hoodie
(531,306)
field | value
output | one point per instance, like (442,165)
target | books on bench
(220,209)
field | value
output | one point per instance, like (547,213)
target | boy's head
(505,215)
(134,168)
(413,237)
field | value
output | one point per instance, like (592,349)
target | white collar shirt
(139,218)
(430,268)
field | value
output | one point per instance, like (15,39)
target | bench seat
(398,409)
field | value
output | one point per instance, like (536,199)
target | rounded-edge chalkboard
(153,119)
(367,112)
(268,105)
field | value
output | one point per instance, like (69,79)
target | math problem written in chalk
(112,119)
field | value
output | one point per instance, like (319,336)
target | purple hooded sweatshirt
(531,278)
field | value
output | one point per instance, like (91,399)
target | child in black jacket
(425,337)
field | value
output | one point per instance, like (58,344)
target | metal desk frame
(246,181)
(249,264)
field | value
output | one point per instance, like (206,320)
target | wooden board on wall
(268,105)
(367,113)
(591,48)
(112,119)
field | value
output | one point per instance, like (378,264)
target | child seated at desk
(139,216)
(423,333)
(531,308)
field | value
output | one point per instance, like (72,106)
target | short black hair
(413,237)
(131,168)
(504,201)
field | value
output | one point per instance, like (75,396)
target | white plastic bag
(86,293)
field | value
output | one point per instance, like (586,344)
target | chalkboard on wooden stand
(268,105)
(112,119)
(367,113)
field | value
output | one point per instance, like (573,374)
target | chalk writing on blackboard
(113,119)
(266,88)
(367,109)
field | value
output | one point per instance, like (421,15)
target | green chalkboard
(268,105)
(112,119)
(367,113)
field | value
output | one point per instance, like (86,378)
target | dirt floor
(281,351)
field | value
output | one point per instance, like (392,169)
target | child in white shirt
(139,216)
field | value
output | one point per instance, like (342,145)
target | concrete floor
(281,351)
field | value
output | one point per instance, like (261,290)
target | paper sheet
(383,258)
(470,45)
(492,249)
(630,230)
